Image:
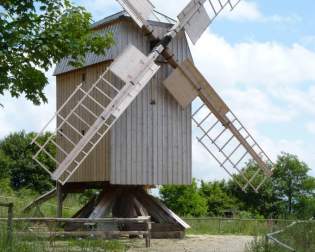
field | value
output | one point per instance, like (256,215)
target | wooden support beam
(41,199)
(59,200)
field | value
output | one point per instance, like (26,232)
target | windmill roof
(156,17)
(102,26)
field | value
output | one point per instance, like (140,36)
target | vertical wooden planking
(169,140)
(150,143)
(145,136)
(165,135)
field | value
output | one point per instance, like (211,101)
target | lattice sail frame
(199,14)
(112,93)
(224,147)
(66,131)
(223,135)
(195,20)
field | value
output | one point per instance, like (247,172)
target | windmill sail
(135,75)
(134,70)
(139,10)
(222,134)
(195,18)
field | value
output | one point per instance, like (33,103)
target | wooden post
(148,236)
(59,200)
(10,222)
(266,243)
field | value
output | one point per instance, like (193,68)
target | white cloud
(265,84)
(204,166)
(21,114)
(249,11)
(268,63)
(311,127)
(171,8)
(302,99)
(255,107)
(298,147)
(100,8)
(245,11)
(249,75)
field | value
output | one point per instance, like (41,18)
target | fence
(9,206)
(53,228)
(298,236)
(254,227)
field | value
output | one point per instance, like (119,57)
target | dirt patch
(195,243)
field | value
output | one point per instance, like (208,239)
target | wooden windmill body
(124,120)
(151,143)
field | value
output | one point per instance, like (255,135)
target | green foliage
(217,197)
(262,203)
(24,172)
(299,237)
(35,35)
(5,187)
(291,182)
(4,165)
(184,200)
(289,193)
(286,194)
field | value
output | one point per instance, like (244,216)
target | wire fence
(36,234)
(254,227)
(46,209)
(298,236)
(9,217)
(281,235)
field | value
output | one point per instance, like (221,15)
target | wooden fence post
(148,236)
(10,222)
(59,200)
(266,243)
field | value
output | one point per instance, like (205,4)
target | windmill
(125,126)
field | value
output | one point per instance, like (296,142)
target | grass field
(214,226)
(33,244)
(301,237)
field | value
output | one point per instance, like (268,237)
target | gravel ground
(195,243)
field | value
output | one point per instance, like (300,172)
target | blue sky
(260,58)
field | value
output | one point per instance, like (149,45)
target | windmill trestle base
(121,201)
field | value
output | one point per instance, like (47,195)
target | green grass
(33,243)
(215,226)
(48,209)
(300,237)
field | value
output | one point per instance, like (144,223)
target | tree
(217,197)
(262,203)
(36,34)
(184,200)
(291,181)
(4,165)
(287,192)
(24,172)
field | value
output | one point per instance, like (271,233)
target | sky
(261,60)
